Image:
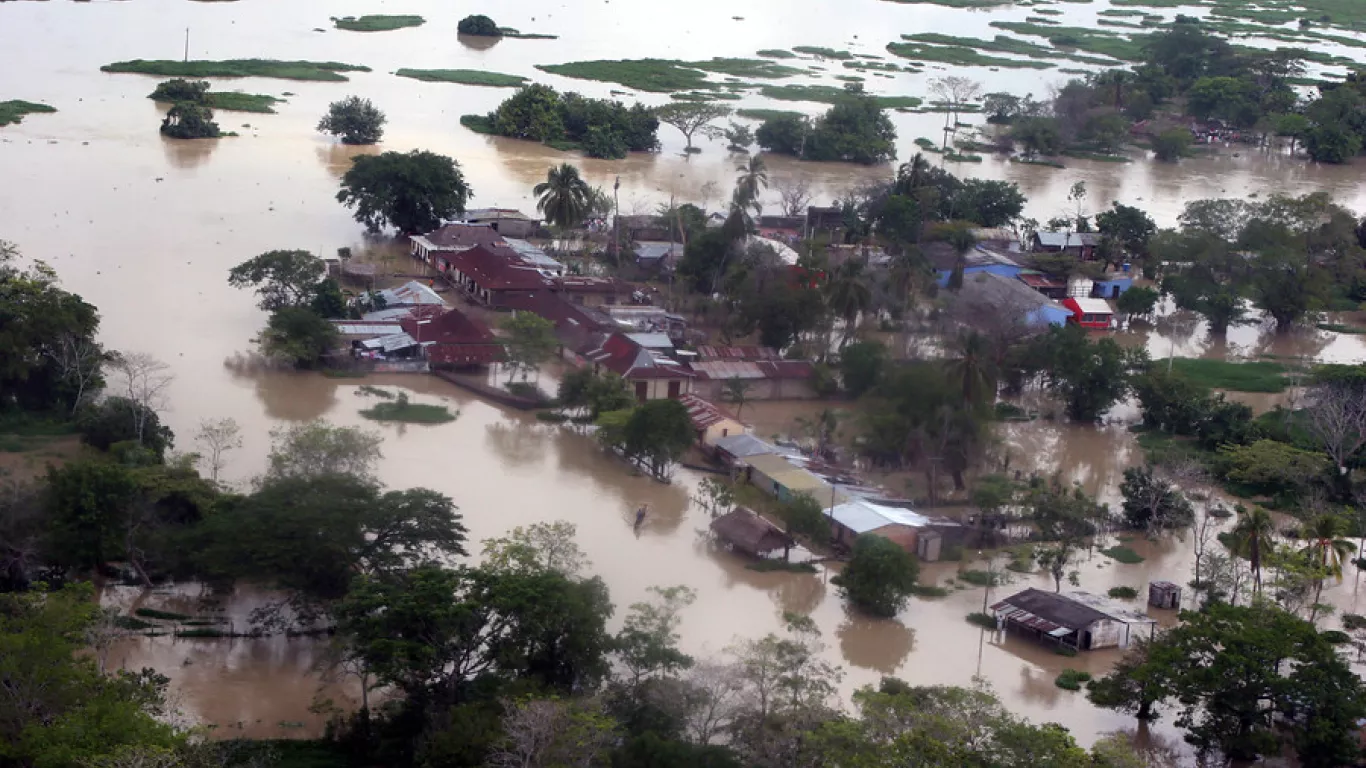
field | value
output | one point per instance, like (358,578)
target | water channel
(146,229)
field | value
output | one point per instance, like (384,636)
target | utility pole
(616,219)
(187,44)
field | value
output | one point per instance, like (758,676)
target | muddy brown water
(147,228)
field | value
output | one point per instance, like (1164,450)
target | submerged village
(991,394)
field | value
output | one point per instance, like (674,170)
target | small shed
(747,532)
(1094,314)
(1164,594)
(1077,619)
(710,422)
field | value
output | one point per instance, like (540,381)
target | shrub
(879,576)
(980,578)
(984,620)
(1123,554)
(153,613)
(478,24)
(355,120)
(1172,144)
(929,590)
(1123,593)
(1071,679)
(187,120)
(114,420)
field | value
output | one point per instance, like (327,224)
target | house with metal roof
(440,245)
(534,256)
(858,516)
(988,293)
(508,222)
(979,259)
(1094,314)
(1080,244)
(413,293)
(645,362)
(731,449)
(1078,620)
(454,340)
(709,421)
(744,531)
(775,475)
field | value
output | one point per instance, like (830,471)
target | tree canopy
(354,120)
(411,192)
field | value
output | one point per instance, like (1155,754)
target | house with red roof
(645,361)
(709,421)
(488,274)
(453,340)
(766,375)
(439,247)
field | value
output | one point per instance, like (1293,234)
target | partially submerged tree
(281,278)
(297,336)
(692,117)
(188,120)
(411,192)
(218,438)
(318,448)
(564,198)
(531,341)
(355,120)
(879,577)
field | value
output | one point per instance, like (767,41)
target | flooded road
(146,229)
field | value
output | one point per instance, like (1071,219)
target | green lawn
(326,71)
(1251,376)
(413,413)
(377,23)
(14,111)
(464,77)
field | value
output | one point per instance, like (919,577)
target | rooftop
(1090,306)
(862,516)
(1050,611)
(452,327)
(749,532)
(499,269)
(410,293)
(708,352)
(533,255)
(460,236)
(390,343)
(628,359)
(703,413)
(742,446)
(496,213)
(1067,239)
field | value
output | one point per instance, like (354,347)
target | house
(504,221)
(749,533)
(1112,286)
(1078,620)
(658,255)
(534,256)
(979,259)
(1079,244)
(436,248)
(1045,285)
(709,421)
(593,291)
(577,327)
(856,517)
(454,340)
(786,228)
(638,318)
(488,274)
(643,360)
(732,449)
(411,294)
(764,379)
(646,227)
(828,219)
(775,475)
(988,293)
(1090,313)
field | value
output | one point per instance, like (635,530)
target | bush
(861,365)
(478,24)
(767,565)
(187,120)
(980,578)
(929,590)
(1071,679)
(984,620)
(603,128)
(355,120)
(1123,554)
(1172,144)
(879,576)
(114,420)
(1123,593)
(179,89)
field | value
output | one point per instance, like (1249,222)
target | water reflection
(287,395)
(877,644)
(478,42)
(519,443)
(337,158)
(188,153)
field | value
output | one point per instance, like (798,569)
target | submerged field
(326,71)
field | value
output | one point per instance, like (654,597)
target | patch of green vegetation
(234,101)
(1123,554)
(377,23)
(959,56)
(955,157)
(153,613)
(1120,12)
(828,94)
(1340,328)
(983,620)
(1100,41)
(1251,376)
(705,96)
(980,578)
(366,389)
(768,565)
(1071,679)
(1123,593)
(1037,161)
(410,413)
(776,53)
(326,71)
(479,124)
(1096,156)
(1048,11)
(666,76)
(929,590)
(464,77)
(766,114)
(958,3)
(1041,20)
(825,53)
(130,623)
(518,35)
(1115,23)
(14,111)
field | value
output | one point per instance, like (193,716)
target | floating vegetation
(1099,157)
(705,96)
(1103,42)
(667,76)
(517,35)
(776,53)
(983,620)
(1123,554)
(14,111)
(1251,376)
(1123,593)
(377,23)
(829,94)
(766,114)
(957,158)
(827,53)
(327,71)
(959,56)
(401,409)
(929,590)
(464,77)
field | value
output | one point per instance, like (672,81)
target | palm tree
(1325,547)
(912,175)
(849,296)
(1252,537)
(736,390)
(971,369)
(753,180)
(564,198)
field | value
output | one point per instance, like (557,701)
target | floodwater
(146,229)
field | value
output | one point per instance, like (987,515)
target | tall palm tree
(753,180)
(971,368)
(848,296)
(564,198)
(1252,538)
(912,175)
(1326,548)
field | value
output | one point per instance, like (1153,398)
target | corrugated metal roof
(533,255)
(743,446)
(366,328)
(411,292)
(703,413)
(393,313)
(651,340)
(1092,306)
(390,343)
(717,369)
(861,516)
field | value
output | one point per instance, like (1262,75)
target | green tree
(657,434)
(88,505)
(412,192)
(753,180)
(115,420)
(355,120)
(1089,376)
(647,645)
(1037,136)
(987,203)
(281,278)
(861,366)
(1326,548)
(313,535)
(969,369)
(478,24)
(297,336)
(691,117)
(58,711)
(736,390)
(1128,225)
(1253,537)
(532,113)
(188,120)
(849,296)
(531,341)
(1138,301)
(856,130)
(1137,684)
(784,134)
(178,90)
(738,136)
(598,392)
(803,515)
(1172,144)
(537,547)
(1151,503)
(879,577)
(563,198)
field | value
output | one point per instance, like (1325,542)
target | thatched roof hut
(747,532)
